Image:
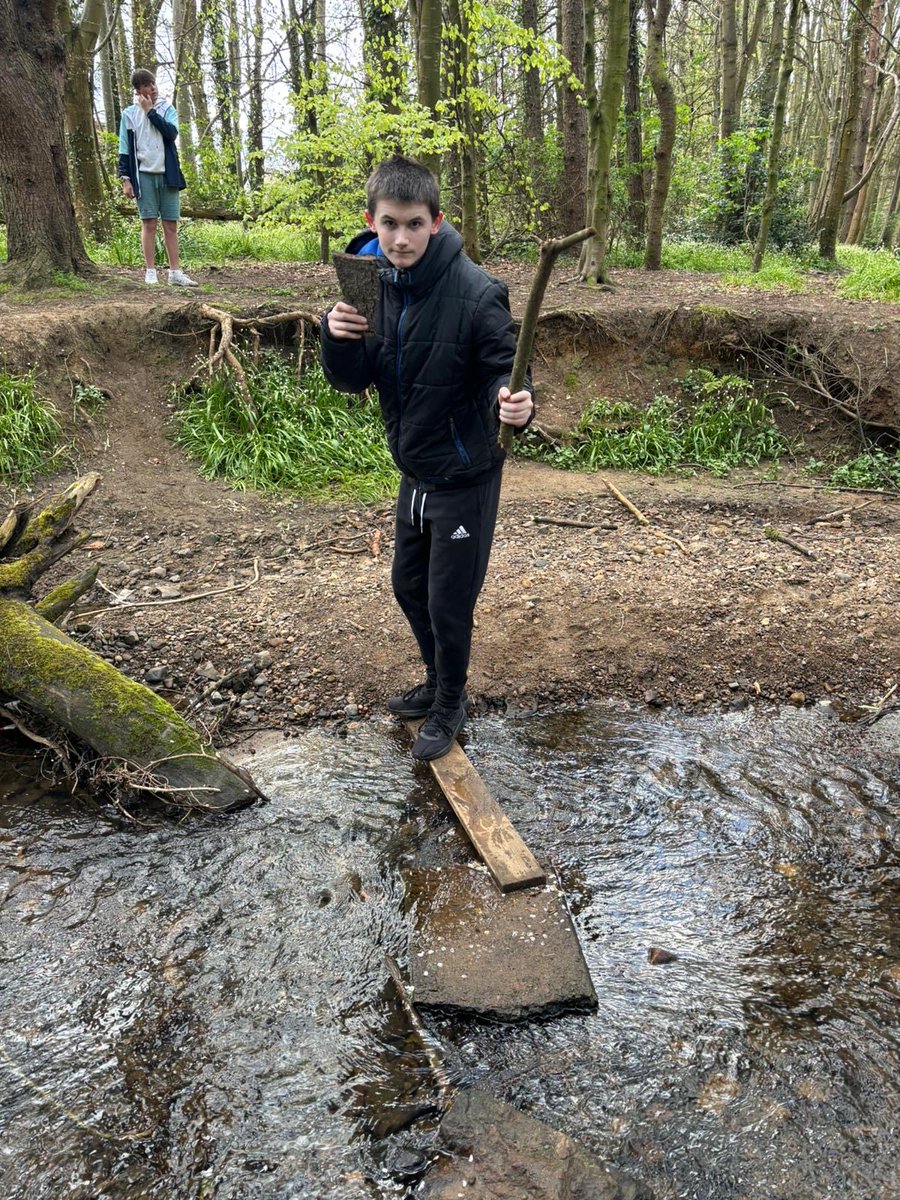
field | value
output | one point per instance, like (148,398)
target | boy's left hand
(515,409)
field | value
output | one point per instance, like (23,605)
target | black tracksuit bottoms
(442,544)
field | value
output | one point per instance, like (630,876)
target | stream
(199,1007)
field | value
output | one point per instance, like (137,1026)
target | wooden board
(489,829)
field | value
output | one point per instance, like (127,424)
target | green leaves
(713,422)
(306,437)
(29,430)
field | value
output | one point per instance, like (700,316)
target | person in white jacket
(151,173)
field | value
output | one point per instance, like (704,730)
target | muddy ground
(300,624)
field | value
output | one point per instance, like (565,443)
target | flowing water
(200,1007)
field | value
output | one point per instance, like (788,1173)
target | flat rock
(511,956)
(499,1153)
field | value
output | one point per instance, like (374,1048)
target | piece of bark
(360,284)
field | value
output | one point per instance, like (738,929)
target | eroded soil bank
(568,613)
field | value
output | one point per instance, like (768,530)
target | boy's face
(149,91)
(403,231)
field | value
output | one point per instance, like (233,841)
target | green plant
(714,422)
(874,469)
(303,436)
(872,274)
(29,429)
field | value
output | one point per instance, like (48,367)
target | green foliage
(305,437)
(714,422)
(874,469)
(29,430)
(873,274)
(212,242)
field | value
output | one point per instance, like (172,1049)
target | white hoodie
(149,144)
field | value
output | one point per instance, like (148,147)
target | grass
(871,274)
(29,430)
(217,243)
(715,423)
(306,436)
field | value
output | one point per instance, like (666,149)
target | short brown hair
(405,180)
(142,78)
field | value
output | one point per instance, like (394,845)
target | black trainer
(438,732)
(414,703)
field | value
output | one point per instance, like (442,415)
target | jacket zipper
(402,287)
(458,443)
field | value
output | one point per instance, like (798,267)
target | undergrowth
(305,436)
(875,469)
(216,243)
(29,430)
(714,423)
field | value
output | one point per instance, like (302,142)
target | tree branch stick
(525,342)
(614,491)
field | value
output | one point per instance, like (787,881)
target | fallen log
(52,675)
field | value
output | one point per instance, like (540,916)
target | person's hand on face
(147,96)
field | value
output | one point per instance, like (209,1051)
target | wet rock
(155,674)
(479,951)
(656,956)
(499,1153)
(130,638)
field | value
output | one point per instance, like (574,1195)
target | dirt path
(567,614)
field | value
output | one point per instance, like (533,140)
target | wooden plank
(489,829)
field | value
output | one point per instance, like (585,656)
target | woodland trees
(757,121)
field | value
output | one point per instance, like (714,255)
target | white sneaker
(150,277)
(179,279)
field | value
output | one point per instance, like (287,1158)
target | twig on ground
(775,535)
(569,523)
(614,491)
(237,587)
(822,487)
(29,733)
(839,512)
(882,708)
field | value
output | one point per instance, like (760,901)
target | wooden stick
(614,491)
(435,1060)
(776,535)
(839,512)
(237,587)
(525,343)
(564,521)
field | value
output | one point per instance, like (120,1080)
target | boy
(441,361)
(151,174)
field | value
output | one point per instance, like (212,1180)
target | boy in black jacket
(441,361)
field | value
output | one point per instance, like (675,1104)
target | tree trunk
(460,68)
(866,128)
(729,82)
(382,54)
(533,123)
(890,217)
(42,233)
(665,98)
(573,197)
(112,109)
(859,16)
(255,154)
(784,79)
(122,55)
(603,116)
(428,64)
(80,39)
(66,683)
(183,33)
(634,150)
(144,19)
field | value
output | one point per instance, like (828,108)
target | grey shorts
(157,200)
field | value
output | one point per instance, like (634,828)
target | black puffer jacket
(444,348)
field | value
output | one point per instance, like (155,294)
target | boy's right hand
(345,322)
(128,189)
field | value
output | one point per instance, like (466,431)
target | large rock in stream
(499,1153)
(478,951)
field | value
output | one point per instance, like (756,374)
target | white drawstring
(412,509)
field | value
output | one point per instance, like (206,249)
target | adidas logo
(461,532)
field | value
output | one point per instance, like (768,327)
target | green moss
(715,312)
(115,715)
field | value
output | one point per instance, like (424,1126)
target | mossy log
(66,683)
